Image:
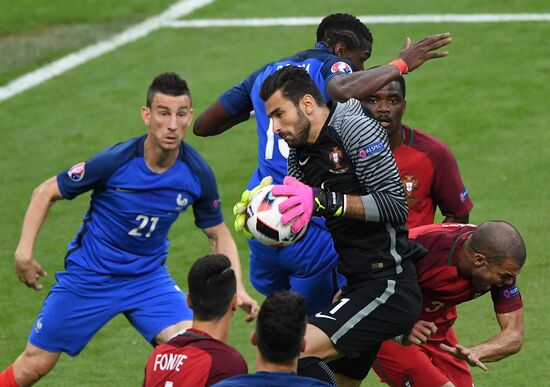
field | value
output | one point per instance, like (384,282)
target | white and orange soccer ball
(263,220)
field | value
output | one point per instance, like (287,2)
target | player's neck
(157,159)
(318,121)
(397,138)
(218,329)
(267,366)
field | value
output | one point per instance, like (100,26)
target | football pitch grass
(488,101)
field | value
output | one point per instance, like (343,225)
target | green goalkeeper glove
(239,209)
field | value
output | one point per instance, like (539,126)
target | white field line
(381,19)
(184,7)
(177,10)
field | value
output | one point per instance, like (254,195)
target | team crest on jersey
(341,67)
(336,157)
(76,172)
(181,202)
(410,184)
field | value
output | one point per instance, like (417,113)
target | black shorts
(371,312)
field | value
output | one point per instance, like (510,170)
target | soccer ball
(263,220)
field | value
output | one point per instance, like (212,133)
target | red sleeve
(506,299)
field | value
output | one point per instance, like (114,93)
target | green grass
(487,101)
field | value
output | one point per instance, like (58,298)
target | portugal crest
(410,184)
(336,156)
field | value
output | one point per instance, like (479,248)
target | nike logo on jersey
(320,315)
(302,163)
(126,190)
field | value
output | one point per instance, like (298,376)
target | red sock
(7,379)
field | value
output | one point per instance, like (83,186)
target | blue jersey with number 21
(132,208)
(245,97)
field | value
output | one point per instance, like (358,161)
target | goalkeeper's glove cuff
(328,203)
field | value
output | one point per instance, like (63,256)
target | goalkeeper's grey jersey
(352,155)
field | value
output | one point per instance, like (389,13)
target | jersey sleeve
(293,166)
(367,146)
(334,66)
(95,172)
(207,207)
(238,99)
(448,190)
(506,299)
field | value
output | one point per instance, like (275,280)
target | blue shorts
(80,303)
(307,267)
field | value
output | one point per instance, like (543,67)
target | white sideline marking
(177,10)
(184,7)
(381,19)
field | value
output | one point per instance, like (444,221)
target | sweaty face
(289,121)
(489,274)
(358,56)
(387,106)
(167,119)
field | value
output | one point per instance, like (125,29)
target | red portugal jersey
(192,359)
(442,287)
(430,177)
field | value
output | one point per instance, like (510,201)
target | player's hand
(299,205)
(463,353)
(239,209)
(29,271)
(248,304)
(416,54)
(420,332)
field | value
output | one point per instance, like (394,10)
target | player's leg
(398,365)
(312,267)
(457,371)
(267,273)
(157,307)
(33,364)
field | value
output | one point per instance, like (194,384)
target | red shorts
(425,365)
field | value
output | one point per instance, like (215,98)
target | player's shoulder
(190,156)
(122,150)
(440,230)
(433,147)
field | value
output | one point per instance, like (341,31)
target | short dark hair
(345,28)
(212,285)
(168,83)
(281,327)
(294,82)
(498,240)
(401,81)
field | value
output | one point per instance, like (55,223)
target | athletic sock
(316,368)
(7,378)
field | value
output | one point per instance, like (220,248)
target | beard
(303,126)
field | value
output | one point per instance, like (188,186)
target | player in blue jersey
(116,263)
(344,43)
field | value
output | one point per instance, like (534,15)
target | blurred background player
(343,44)
(463,263)
(200,355)
(279,338)
(116,263)
(428,169)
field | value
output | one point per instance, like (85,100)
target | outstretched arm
(221,242)
(361,84)
(26,267)
(507,342)
(215,120)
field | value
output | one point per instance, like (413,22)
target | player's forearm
(499,346)
(221,242)
(42,198)
(215,120)
(361,84)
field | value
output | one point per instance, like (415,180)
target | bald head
(499,240)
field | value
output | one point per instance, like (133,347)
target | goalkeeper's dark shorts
(367,314)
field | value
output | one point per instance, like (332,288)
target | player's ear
(189,302)
(234,303)
(307,103)
(479,259)
(339,48)
(303,345)
(146,115)
(253,338)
